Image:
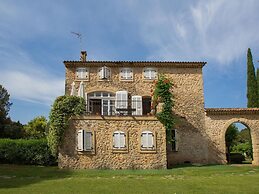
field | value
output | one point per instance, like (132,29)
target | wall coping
(232,111)
(115,118)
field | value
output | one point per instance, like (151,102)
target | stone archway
(217,122)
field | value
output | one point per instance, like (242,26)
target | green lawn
(206,179)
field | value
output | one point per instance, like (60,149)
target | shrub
(236,158)
(62,110)
(22,151)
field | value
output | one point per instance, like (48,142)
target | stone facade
(200,133)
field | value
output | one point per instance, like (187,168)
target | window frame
(82,78)
(84,150)
(109,73)
(152,149)
(126,78)
(150,78)
(120,149)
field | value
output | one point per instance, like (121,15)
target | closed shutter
(80,140)
(122,140)
(137,104)
(84,73)
(146,74)
(88,141)
(116,140)
(150,140)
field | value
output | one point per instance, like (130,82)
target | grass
(204,179)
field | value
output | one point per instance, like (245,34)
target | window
(147,140)
(175,140)
(119,140)
(104,73)
(84,140)
(136,103)
(126,74)
(82,73)
(150,74)
(101,103)
(146,105)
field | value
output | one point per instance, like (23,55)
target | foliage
(220,179)
(13,130)
(230,137)
(162,94)
(252,91)
(4,108)
(63,108)
(36,128)
(244,148)
(23,151)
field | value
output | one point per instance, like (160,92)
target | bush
(236,158)
(21,151)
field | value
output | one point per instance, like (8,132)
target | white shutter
(144,142)
(88,141)
(116,139)
(150,140)
(80,140)
(137,104)
(146,74)
(78,73)
(86,101)
(122,140)
(121,99)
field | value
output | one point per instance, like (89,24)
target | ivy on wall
(162,94)
(62,110)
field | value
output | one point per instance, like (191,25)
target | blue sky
(35,39)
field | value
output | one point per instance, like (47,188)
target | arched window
(119,140)
(147,140)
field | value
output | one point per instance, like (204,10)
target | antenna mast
(79,35)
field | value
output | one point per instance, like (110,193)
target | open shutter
(86,101)
(121,99)
(88,141)
(137,104)
(80,140)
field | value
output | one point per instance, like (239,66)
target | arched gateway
(217,121)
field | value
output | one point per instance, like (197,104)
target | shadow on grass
(192,165)
(15,176)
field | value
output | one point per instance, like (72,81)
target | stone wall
(104,156)
(217,122)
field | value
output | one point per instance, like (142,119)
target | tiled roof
(227,111)
(137,63)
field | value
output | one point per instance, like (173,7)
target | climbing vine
(162,94)
(62,109)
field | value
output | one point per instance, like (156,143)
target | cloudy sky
(35,38)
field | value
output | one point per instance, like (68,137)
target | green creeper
(252,93)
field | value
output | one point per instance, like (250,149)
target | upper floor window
(119,140)
(104,73)
(126,74)
(150,73)
(147,140)
(82,73)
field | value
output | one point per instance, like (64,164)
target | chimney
(83,56)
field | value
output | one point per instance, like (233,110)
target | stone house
(118,130)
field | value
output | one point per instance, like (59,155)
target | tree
(257,78)
(230,137)
(36,128)
(252,93)
(4,108)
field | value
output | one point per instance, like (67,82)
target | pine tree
(252,93)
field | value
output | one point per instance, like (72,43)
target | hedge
(23,151)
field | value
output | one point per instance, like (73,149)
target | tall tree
(252,93)
(257,78)
(4,108)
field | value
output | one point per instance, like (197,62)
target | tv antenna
(79,36)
